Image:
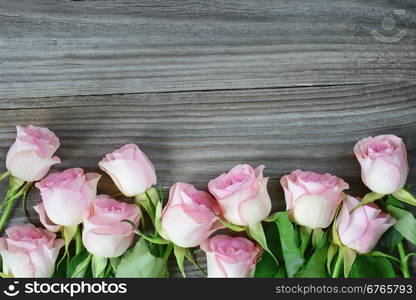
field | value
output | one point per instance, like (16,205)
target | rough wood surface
(194,136)
(51,48)
(202,86)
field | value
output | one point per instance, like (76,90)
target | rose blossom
(104,234)
(189,217)
(311,198)
(383,160)
(242,195)
(66,195)
(31,155)
(28,251)
(230,256)
(361,229)
(130,170)
(44,219)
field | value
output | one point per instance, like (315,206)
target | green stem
(338,264)
(403,260)
(6,213)
(78,241)
(9,201)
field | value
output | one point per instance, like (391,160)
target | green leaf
(281,272)
(98,265)
(190,257)
(78,265)
(154,240)
(305,235)
(151,239)
(378,253)
(332,251)
(154,195)
(368,198)
(266,267)
(291,252)
(349,257)
(391,200)
(405,196)
(114,262)
(317,235)
(272,217)
(3,275)
(372,267)
(256,232)
(145,202)
(167,251)
(68,233)
(315,266)
(138,262)
(15,184)
(179,253)
(158,220)
(406,223)
(389,240)
(232,226)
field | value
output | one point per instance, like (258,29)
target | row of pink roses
(238,197)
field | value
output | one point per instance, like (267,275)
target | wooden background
(203,85)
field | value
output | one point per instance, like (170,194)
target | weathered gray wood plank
(193,136)
(55,48)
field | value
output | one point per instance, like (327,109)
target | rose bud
(31,155)
(130,170)
(232,257)
(242,195)
(189,217)
(104,234)
(311,198)
(383,160)
(66,195)
(361,229)
(28,251)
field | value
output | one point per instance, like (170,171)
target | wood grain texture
(57,48)
(202,86)
(194,136)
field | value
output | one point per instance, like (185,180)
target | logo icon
(11,290)
(389,25)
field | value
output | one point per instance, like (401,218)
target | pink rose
(28,251)
(104,234)
(230,256)
(361,229)
(130,170)
(242,195)
(66,195)
(189,217)
(311,198)
(30,157)
(44,219)
(383,160)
